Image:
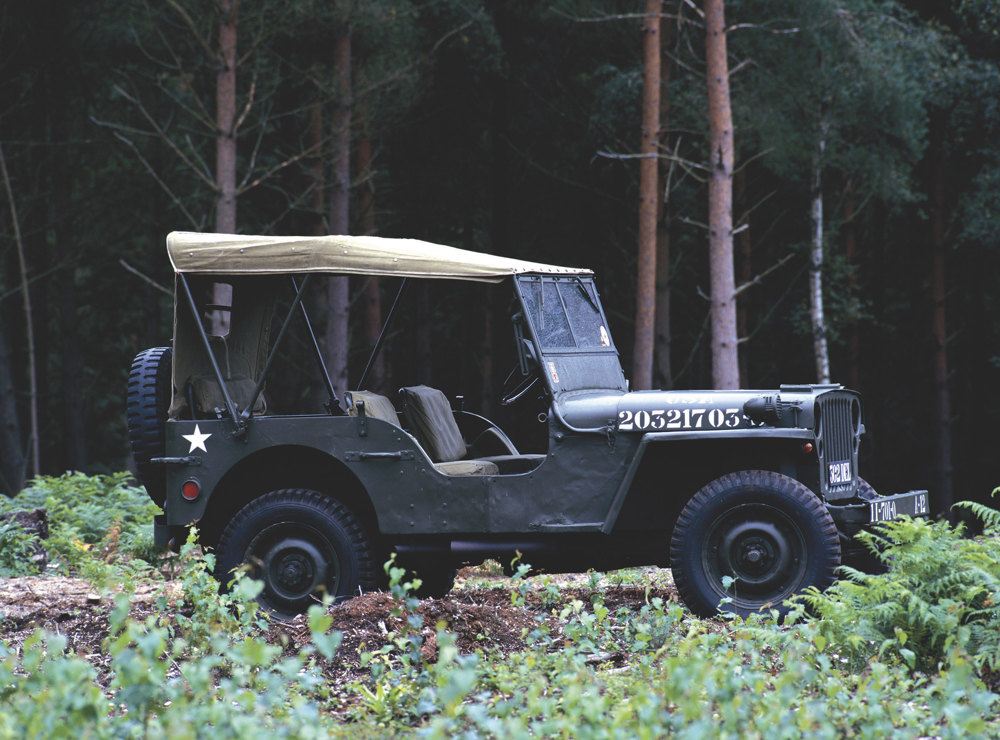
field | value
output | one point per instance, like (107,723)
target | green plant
(16,550)
(941,592)
(91,517)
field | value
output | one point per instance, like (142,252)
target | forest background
(513,128)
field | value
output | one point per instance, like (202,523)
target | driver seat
(429,416)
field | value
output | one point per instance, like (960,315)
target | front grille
(838,431)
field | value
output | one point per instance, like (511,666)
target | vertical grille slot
(837,431)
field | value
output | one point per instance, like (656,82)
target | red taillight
(190,490)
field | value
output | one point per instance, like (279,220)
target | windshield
(565,313)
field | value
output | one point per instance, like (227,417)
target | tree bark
(649,196)
(939,330)
(820,349)
(725,361)
(225,146)
(338,290)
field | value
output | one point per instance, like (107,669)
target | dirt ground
(478,612)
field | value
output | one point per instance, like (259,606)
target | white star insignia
(197,440)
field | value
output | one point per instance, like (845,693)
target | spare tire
(149,390)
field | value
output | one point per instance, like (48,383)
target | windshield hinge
(611,430)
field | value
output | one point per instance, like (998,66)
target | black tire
(766,530)
(149,392)
(302,545)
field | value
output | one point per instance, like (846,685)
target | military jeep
(758,485)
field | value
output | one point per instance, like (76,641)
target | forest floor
(479,612)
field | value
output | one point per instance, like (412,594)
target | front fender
(655,438)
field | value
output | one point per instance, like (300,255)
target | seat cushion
(430,419)
(513,464)
(376,406)
(467,467)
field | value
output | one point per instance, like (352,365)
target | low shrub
(17,549)
(101,515)
(941,592)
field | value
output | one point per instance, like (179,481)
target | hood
(684,411)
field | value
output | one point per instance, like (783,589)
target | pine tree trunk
(664,377)
(338,291)
(725,361)
(225,148)
(649,196)
(820,349)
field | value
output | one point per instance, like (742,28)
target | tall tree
(225,144)
(337,336)
(821,350)
(649,198)
(725,360)
(836,94)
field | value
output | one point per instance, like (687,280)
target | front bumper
(852,518)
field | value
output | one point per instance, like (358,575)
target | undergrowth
(898,655)
(940,594)
(94,521)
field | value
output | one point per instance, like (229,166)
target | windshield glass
(565,313)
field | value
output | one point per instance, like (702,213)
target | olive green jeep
(758,485)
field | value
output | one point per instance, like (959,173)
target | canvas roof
(232,254)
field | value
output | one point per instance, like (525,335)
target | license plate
(840,473)
(887,508)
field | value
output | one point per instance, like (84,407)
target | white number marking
(686,418)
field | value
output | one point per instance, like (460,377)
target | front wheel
(765,530)
(302,545)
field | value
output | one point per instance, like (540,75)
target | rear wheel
(767,531)
(146,413)
(302,545)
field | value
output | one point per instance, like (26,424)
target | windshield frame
(561,285)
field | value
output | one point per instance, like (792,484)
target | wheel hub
(293,568)
(753,547)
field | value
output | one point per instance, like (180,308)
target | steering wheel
(518,389)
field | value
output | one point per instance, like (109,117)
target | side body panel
(572,490)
